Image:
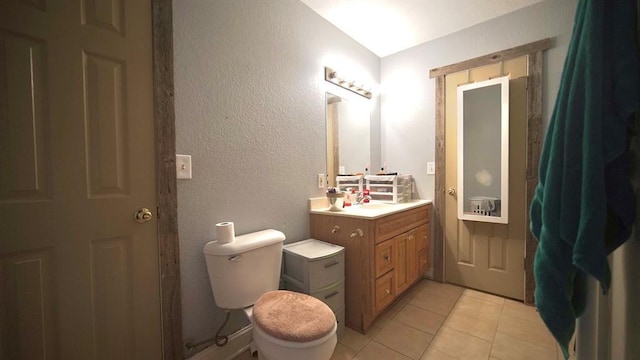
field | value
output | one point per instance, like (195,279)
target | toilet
(245,274)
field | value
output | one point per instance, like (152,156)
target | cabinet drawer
(385,292)
(385,257)
(398,223)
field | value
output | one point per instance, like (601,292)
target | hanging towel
(583,207)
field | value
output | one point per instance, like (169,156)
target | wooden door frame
(166,194)
(533,51)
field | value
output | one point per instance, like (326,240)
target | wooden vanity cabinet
(383,258)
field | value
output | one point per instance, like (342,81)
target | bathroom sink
(374,206)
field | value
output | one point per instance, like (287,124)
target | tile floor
(435,321)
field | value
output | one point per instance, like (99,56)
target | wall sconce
(331,76)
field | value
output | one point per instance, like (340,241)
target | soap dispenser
(347,197)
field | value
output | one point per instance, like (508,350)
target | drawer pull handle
(335,229)
(358,232)
(387,258)
(332,295)
(387,291)
(331,264)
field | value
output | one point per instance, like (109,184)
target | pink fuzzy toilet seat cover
(293,316)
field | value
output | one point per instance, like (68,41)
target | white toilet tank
(242,270)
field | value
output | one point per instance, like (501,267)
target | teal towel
(583,207)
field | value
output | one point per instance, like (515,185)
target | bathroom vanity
(386,251)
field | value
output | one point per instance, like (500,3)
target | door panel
(79,277)
(487,256)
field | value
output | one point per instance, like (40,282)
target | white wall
(408,95)
(250,109)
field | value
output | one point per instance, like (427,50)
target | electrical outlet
(183,166)
(321,181)
(431,168)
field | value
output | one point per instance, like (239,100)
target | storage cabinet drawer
(326,272)
(385,292)
(313,264)
(385,257)
(333,296)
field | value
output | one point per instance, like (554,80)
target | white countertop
(372,210)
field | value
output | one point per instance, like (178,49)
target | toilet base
(273,349)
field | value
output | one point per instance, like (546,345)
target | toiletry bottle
(347,197)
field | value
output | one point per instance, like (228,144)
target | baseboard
(238,343)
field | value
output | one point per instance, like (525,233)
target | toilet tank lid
(244,243)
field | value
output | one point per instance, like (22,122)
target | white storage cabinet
(316,268)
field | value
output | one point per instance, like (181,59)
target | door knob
(143,215)
(451,191)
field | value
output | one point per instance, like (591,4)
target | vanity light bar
(331,76)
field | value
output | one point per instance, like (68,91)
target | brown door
(479,255)
(79,277)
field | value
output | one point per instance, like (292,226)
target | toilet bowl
(289,343)
(245,274)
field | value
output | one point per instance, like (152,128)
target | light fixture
(332,76)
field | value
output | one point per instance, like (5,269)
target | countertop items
(371,210)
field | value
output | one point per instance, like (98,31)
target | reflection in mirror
(347,136)
(483,151)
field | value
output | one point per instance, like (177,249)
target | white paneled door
(79,276)
(481,255)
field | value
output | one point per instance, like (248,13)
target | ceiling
(389,26)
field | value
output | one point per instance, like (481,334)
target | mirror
(348,136)
(483,151)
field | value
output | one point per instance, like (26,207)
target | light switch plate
(431,168)
(183,166)
(321,181)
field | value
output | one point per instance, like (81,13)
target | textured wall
(249,90)
(408,100)
(250,110)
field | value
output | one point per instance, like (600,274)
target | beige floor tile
(461,345)
(423,320)
(521,311)
(357,341)
(433,354)
(343,352)
(401,302)
(427,300)
(484,296)
(385,317)
(478,308)
(508,348)
(404,339)
(482,328)
(443,289)
(377,351)
(244,356)
(524,330)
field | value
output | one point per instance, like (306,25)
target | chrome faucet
(360,198)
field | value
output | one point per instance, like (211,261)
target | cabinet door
(423,261)
(412,258)
(385,292)
(402,282)
(422,235)
(385,259)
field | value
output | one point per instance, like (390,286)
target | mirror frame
(504,151)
